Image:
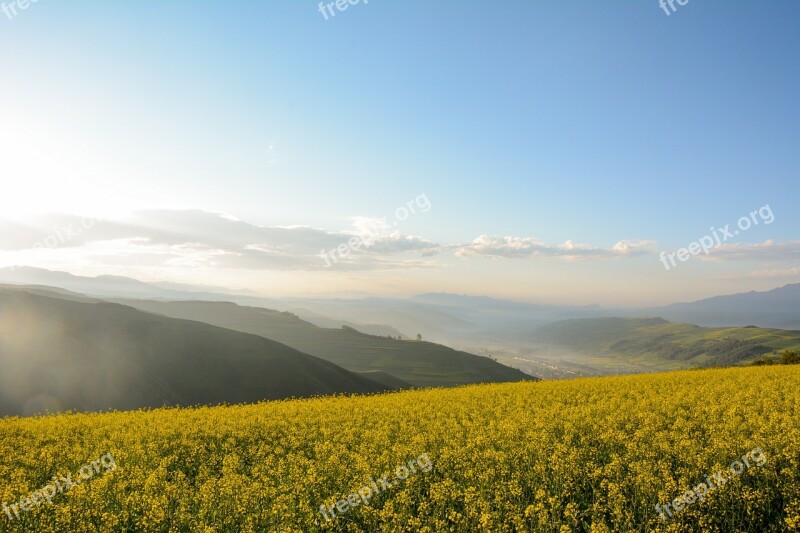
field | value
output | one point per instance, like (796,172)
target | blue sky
(591,122)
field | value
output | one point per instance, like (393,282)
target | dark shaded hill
(422,364)
(57,353)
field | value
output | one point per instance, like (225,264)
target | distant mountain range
(122,287)
(101,286)
(439,315)
(454,318)
(778,308)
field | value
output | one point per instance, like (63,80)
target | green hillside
(58,354)
(656,342)
(423,364)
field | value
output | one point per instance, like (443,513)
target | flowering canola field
(580,455)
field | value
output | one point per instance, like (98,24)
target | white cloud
(776,273)
(200,238)
(765,251)
(532,248)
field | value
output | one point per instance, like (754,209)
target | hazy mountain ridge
(776,308)
(441,315)
(108,287)
(321,321)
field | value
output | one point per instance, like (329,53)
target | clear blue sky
(561,120)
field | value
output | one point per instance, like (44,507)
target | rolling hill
(65,352)
(423,364)
(657,342)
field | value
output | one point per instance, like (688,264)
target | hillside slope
(57,353)
(662,342)
(422,364)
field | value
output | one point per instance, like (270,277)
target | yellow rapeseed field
(578,455)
